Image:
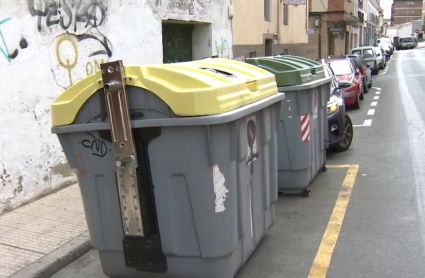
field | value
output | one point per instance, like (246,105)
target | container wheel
(306,192)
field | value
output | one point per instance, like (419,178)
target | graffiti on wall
(222,44)
(82,48)
(222,48)
(78,56)
(3,45)
(177,43)
(67,13)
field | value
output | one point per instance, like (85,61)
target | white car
(386,44)
(369,55)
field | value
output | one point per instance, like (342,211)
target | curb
(56,260)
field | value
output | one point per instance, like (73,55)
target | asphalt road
(383,226)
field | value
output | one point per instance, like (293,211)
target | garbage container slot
(219,72)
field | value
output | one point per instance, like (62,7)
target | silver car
(369,55)
(380,53)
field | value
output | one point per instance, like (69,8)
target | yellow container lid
(205,87)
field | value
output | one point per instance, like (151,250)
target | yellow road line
(321,263)
(337,166)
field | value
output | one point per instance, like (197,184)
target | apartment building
(403,11)
(373,22)
(269,27)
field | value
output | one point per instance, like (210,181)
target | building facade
(268,27)
(373,21)
(403,11)
(337,26)
(48,45)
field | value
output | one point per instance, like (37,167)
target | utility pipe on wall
(278,22)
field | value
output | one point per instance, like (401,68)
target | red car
(345,70)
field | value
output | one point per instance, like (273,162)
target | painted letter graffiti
(96,145)
(3,45)
(222,48)
(66,13)
(4,49)
(80,53)
(67,62)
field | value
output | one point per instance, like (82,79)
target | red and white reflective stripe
(305,128)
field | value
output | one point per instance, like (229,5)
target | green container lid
(286,71)
(318,71)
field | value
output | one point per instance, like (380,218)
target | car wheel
(347,139)
(370,84)
(365,90)
(361,96)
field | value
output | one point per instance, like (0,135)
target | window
(252,54)
(356,52)
(341,67)
(368,53)
(285,14)
(267,10)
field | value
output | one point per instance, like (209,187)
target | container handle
(252,85)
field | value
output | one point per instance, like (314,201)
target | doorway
(269,47)
(176,42)
(331,44)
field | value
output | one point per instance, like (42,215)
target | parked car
(386,44)
(340,127)
(368,53)
(344,70)
(407,43)
(364,70)
(381,57)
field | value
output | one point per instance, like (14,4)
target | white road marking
(378,93)
(375,97)
(366,123)
(371,112)
(376,88)
(374,103)
(415,130)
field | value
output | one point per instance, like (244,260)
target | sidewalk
(40,238)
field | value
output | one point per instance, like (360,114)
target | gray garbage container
(177,167)
(303,133)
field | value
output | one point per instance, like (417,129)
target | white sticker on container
(251,128)
(219,189)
